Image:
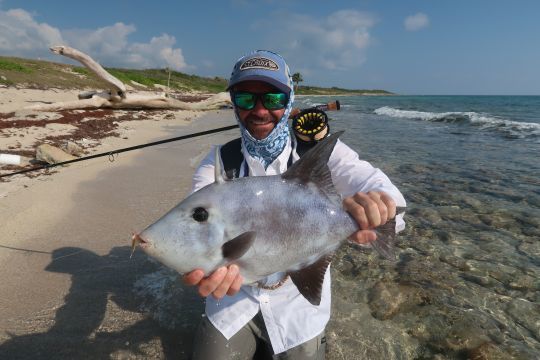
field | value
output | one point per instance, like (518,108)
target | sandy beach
(64,253)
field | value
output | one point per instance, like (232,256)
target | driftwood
(116,96)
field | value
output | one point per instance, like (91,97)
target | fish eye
(200,214)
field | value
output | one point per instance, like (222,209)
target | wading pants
(251,342)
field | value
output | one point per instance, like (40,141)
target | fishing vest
(232,156)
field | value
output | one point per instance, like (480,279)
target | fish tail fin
(386,237)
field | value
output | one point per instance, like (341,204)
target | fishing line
(112,154)
(24,250)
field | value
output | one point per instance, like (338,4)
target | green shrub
(81,70)
(13,66)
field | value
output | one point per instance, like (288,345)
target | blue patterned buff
(268,149)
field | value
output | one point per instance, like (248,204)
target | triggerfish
(291,223)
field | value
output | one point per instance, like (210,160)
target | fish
(291,223)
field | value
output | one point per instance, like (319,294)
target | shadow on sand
(101,316)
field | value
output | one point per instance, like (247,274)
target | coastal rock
(472,202)
(455,261)
(72,148)
(353,333)
(51,154)
(530,248)
(525,282)
(426,214)
(488,351)
(386,299)
(523,312)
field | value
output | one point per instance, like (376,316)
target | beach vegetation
(317,90)
(9,65)
(81,70)
(46,74)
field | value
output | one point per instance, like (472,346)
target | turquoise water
(467,280)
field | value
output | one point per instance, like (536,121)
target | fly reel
(310,125)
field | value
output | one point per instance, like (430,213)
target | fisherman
(273,318)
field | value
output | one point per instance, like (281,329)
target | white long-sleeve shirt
(289,318)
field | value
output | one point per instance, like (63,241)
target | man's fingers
(382,209)
(363,237)
(371,207)
(390,205)
(357,212)
(235,286)
(210,284)
(361,202)
(194,277)
(223,288)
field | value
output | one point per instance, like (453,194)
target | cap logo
(259,63)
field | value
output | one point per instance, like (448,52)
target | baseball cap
(262,65)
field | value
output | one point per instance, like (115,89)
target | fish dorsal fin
(313,167)
(218,177)
(237,247)
(309,280)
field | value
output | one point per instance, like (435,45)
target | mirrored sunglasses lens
(275,101)
(244,100)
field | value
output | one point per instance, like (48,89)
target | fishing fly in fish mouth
(268,236)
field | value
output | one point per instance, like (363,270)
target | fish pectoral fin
(237,247)
(309,280)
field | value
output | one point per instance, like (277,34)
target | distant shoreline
(342,95)
(40,74)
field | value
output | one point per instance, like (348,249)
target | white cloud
(22,35)
(416,22)
(335,42)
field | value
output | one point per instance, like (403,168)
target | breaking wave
(508,128)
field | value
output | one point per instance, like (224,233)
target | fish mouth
(136,239)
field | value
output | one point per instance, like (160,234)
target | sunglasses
(271,101)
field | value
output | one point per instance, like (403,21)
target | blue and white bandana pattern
(269,148)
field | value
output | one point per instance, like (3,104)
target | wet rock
(455,261)
(51,154)
(488,351)
(472,202)
(478,279)
(425,214)
(386,299)
(444,235)
(530,248)
(424,246)
(353,333)
(526,313)
(452,212)
(524,282)
(456,331)
(463,337)
(503,220)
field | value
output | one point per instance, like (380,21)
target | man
(272,316)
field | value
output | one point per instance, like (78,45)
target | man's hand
(369,210)
(223,281)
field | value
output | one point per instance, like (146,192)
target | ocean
(467,278)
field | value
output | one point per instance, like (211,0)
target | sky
(412,47)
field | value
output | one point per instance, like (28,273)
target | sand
(22,130)
(67,279)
